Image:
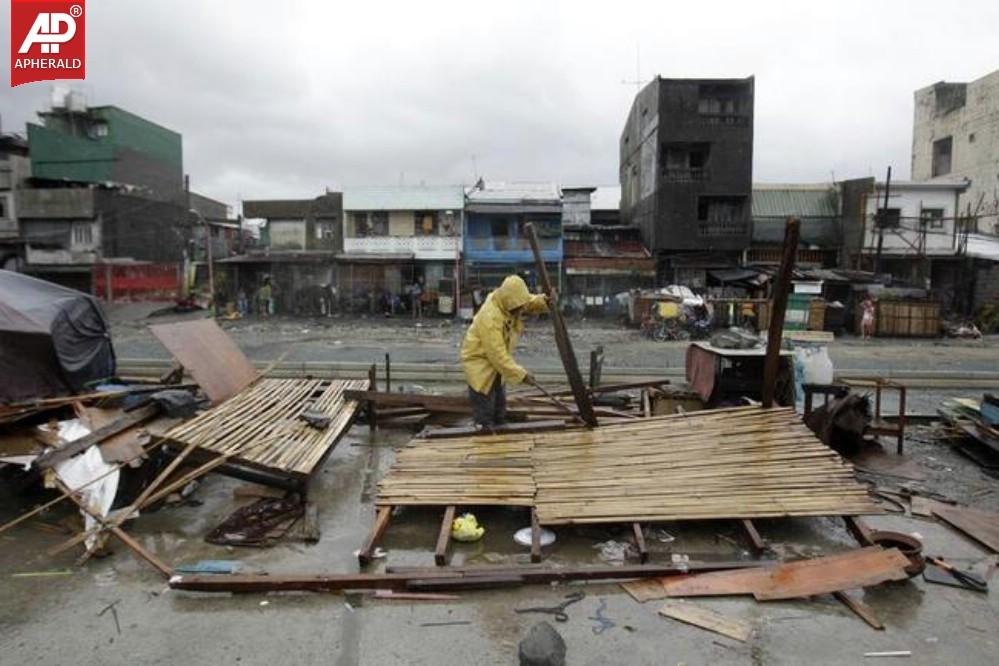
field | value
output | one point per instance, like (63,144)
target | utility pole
(880,217)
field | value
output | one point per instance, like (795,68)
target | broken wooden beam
(562,341)
(859,529)
(367,552)
(506,428)
(129,420)
(781,289)
(535,537)
(412,578)
(643,551)
(444,537)
(862,610)
(755,540)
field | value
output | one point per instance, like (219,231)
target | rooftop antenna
(637,82)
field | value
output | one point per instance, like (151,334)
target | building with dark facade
(686,172)
(107,145)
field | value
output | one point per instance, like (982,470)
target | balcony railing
(421,247)
(685,175)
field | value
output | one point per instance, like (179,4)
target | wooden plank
(310,523)
(982,526)
(859,529)
(211,356)
(444,537)
(865,567)
(705,618)
(643,552)
(856,568)
(129,420)
(862,610)
(535,537)
(924,506)
(375,535)
(782,287)
(755,540)
(562,341)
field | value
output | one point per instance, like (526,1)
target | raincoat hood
(513,293)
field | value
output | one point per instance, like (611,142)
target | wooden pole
(782,288)
(569,362)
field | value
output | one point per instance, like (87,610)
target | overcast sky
(284,99)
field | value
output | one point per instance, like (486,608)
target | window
(971,138)
(723,104)
(685,162)
(931,217)
(324,230)
(425,223)
(888,218)
(83,233)
(3,207)
(98,130)
(942,153)
(370,224)
(721,216)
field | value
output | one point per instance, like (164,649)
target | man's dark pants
(489,409)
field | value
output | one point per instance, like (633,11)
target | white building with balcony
(395,237)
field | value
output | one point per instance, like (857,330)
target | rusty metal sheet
(211,356)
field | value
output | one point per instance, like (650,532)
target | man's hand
(529,380)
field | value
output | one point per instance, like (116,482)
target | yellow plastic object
(668,310)
(466,528)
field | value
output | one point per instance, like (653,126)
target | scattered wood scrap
(982,526)
(210,355)
(705,618)
(792,580)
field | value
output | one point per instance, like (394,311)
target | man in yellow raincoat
(486,353)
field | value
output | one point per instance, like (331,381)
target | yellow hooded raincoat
(490,340)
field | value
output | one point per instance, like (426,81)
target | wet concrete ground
(56,619)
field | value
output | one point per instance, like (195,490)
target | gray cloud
(284,99)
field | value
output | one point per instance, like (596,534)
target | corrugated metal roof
(405,197)
(777,200)
(518,192)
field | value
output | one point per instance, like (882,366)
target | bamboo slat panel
(738,463)
(262,425)
(484,470)
(742,462)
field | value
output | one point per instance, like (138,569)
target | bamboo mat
(486,470)
(736,463)
(743,462)
(262,425)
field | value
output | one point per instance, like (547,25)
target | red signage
(47,40)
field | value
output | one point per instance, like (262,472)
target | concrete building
(299,243)
(602,257)
(495,244)
(955,134)
(15,169)
(924,239)
(397,236)
(106,145)
(686,166)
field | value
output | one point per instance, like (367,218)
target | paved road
(438,341)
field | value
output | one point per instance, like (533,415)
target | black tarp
(53,340)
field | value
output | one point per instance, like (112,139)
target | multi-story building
(602,257)
(495,242)
(394,237)
(106,145)
(955,134)
(15,169)
(921,237)
(299,243)
(686,172)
